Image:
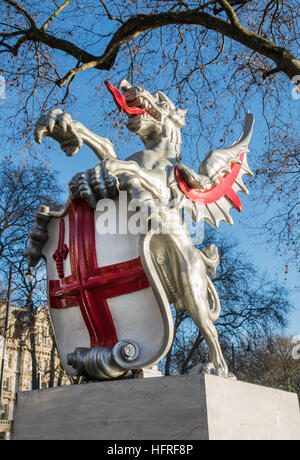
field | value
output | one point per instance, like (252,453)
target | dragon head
(153,117)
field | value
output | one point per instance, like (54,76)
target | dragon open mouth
(223,188)
(136,106)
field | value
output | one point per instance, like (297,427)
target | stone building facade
(31,360)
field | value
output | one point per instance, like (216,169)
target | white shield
(103,288)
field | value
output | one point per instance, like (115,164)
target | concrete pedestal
(190,407)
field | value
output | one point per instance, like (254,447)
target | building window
(10,363)
(4,412)
(40,337)
(43,365)
(6,384)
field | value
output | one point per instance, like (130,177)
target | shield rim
(157,289)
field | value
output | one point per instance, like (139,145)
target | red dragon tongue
(119,99)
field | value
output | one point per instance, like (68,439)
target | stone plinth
(190,407)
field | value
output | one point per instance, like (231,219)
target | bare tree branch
(110,16)
(22,11)
(138,24)
(284,60)
(55,14)
(230,13)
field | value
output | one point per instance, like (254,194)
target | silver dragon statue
(155,174)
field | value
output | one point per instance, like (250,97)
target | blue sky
(92,106)
(245,226)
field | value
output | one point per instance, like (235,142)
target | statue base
(192,407)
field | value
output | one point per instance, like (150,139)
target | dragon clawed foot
(94,184)
(221,370)
(60,127)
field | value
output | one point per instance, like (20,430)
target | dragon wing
(219,179)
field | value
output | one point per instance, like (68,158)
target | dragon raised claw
(155,173)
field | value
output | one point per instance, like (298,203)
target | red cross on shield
(96,303)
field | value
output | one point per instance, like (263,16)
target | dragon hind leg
(199,315)
(195,299)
